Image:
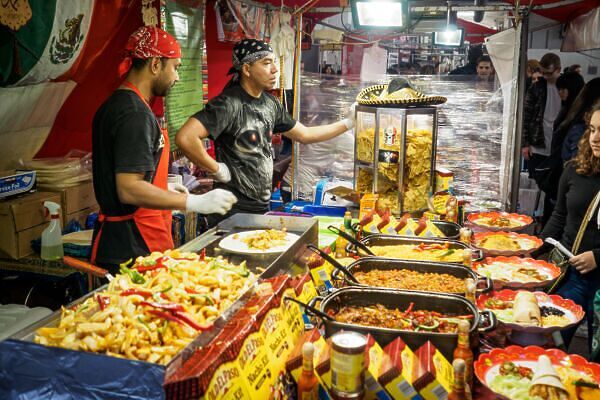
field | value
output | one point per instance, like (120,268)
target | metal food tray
(483,321)
(391,240)
(292,261)
(366,264)
(450,229)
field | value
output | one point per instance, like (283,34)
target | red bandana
(148,42)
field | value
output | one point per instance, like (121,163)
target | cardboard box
(76,198)
(22,220)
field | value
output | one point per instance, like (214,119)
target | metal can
(348,365)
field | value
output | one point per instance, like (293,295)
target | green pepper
(135,276)
(165,290)
(429,328)
(449,252)
(209,299)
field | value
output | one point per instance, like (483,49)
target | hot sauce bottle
(308,385)
(458,385)
(464,352)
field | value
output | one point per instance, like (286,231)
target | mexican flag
(57,69)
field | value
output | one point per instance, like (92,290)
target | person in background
(533,72)
(130,157)
(470,68)
(569,85)
(571,129)
(542,105)
(427,69)
(242,121)
(579,184)
(485,69)
(574,68)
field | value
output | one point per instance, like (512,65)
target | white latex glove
(222,174)
(350,119)
(216,201)
(178,187)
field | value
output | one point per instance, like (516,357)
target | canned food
(348,365)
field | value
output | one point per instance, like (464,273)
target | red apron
(154,225)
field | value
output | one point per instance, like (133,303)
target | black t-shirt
(242,127)
(125,138)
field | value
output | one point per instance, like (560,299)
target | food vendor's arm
(189,139)
(134,190)
(314,134)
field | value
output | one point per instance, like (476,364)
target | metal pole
(519,69)
(296,113)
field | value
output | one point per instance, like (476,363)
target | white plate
(234,243)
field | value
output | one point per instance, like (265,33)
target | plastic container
(52,245)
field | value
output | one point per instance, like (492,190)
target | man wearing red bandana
(131,156)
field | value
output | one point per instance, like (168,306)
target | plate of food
(534,373)
(260,241)
(517,272)
(506,243)
(500,221)
(532,312)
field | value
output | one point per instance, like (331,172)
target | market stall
(417,296)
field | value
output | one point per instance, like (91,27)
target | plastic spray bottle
(52,245)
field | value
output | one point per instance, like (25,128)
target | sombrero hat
(397,93)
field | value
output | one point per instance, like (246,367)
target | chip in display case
(395,155)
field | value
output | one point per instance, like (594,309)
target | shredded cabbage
(513,387)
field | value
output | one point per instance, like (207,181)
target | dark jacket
(533,115)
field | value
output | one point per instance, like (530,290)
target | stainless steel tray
(292,261)
(366,264)
(391,240)
(401,299)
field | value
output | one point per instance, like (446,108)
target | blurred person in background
(470,68)
(485,69)
(579,184)
(569,85)
(534,72)
(571,129)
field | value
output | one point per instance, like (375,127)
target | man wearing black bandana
(242,121)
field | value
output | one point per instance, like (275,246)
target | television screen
(452,38)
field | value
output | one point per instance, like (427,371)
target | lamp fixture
(379,14)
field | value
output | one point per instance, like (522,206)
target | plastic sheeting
(31,371)
(469,133)
(582,32)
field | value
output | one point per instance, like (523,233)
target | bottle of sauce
(340,245)
(348,223)
(464,352)
(470,289)
(348,365)
(308,385)
(458,391)
(466,235)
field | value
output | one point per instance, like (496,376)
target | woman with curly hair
(579,184)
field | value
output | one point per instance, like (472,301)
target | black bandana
(248,51)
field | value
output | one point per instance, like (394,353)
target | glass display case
(397,163)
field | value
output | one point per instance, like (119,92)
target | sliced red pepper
(409,309)
(130,292)
(103,301)
(190,290)
(190,322)
(163,306)
(202,254)
(158,264)
(165,315)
